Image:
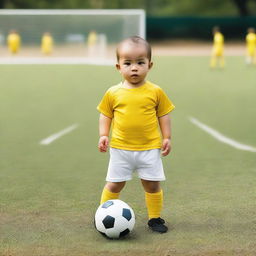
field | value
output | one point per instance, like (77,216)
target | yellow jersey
(251,43)
(13,41)
(46,45)
(92,39)
(218,44)
(135,114)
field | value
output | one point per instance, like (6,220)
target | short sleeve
(106,106)
(164,104)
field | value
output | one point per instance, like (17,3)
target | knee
(151,186)
(115,187)
(153,189)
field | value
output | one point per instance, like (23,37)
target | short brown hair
(216,29)
(251,30)
(135,40)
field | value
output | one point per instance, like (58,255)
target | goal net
(76,35)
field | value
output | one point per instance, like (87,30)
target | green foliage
(199,7)
(160,7)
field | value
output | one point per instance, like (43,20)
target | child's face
(133,63)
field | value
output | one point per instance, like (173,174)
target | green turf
(49,193)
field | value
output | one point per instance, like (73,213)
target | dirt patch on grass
(194,48)
(165,48)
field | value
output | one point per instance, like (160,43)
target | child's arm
(165,126)
(104,128)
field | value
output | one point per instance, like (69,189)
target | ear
(150,65)
(118,66)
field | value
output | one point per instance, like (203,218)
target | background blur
(51,173)
(167,18)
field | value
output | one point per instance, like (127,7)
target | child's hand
(166,147)
(103,144)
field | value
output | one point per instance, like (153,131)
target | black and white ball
(114,218)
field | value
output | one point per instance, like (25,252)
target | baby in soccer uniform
(136,108)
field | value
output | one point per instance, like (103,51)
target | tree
(242,7)
(152,7)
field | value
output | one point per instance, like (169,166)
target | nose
(134,67)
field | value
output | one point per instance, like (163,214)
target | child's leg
(111,191)
(248,60)
(153,197)
(213,61)
(222,61)
(154,201)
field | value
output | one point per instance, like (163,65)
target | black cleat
(157,225)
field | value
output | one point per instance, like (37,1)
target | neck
(126,84)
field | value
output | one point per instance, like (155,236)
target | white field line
(56,136)
(220,137)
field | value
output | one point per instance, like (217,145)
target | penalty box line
(57,135)
(220,137)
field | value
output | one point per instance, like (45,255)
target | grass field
(49,193)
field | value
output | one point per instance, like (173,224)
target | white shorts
(123,163)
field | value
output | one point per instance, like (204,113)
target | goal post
(71,30)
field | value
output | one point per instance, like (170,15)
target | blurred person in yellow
(217,56)
(47,43)
(13,42)
(250,46)
(92,43)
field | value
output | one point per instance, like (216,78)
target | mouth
(134,75)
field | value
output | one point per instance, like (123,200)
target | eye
(126,63)
(141,62)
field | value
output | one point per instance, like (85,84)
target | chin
(135,83)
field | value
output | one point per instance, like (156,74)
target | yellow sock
(213,62)
(107,195)
(154,202)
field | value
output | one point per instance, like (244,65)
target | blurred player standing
(13,42)
(250,46)
(92,43)
(47,43)
(217,56)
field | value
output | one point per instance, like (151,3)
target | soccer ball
(114,219)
